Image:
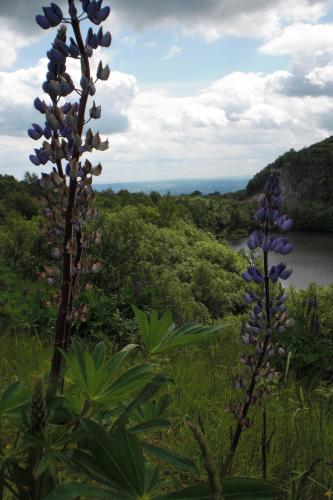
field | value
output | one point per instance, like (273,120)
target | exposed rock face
(306,175)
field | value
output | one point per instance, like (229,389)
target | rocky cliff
(307,184)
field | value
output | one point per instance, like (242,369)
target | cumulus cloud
(174,51)
(300,38)
(21,13)
(215,18)
(18,28)
(19,88)
(236,125)
(310,75)
(10,43)
(210,19)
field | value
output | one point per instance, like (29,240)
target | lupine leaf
(68,491)
(118,455)
(150,425)
(160,335)
(172,458)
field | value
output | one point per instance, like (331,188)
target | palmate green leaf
(105,375)
(150,425)
(118,454)
(133,379)
(238,488)
(84,463)
(47,462)
(151,410)
(99,354)
(13,399)
(68,491)
(175,342)
(143,325)
(152,329)
(96,378)
(161,329)
(244,488)
(143,397)
(117,359)
(160,335)
(171,457)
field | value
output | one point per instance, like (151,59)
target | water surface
(311,261)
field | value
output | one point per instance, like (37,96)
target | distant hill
(307,184)
(178,186)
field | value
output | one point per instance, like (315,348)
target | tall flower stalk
(68,191)
(268,318)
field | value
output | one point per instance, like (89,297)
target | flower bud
(95,111)
(106,40)
(38,408)
(103,73)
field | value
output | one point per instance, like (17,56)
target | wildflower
(268,318)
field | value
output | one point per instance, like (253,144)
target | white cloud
(212,19)
(174,51)
(300,38)
(11,41)
(19,88)
(233,127)
(321,77)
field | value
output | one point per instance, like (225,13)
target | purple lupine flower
(253,274)
(106,40)
(250,297)
(65,108)
(43,22)
(92,39)
(41,106)
(95,12)
(57,10)
(35,132)
(34,160)
(56,56)
(268,316)
(53,14)
(278,245)
(73,49)
(255,240)
(103,14)
(47,131)
(284,223)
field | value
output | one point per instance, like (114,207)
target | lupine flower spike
(268,318)
(65,139)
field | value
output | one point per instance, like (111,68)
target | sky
(198,88)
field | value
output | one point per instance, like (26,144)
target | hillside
(307,183)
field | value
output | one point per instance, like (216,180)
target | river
(311,260)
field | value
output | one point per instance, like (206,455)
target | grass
(23,357)
(299,418)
